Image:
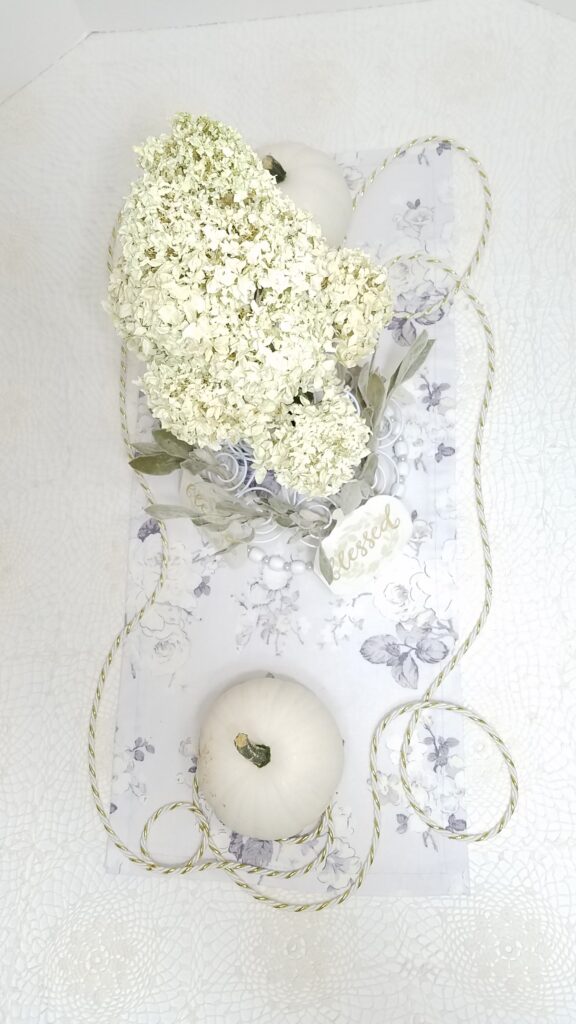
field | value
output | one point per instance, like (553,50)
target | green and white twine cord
(208,855)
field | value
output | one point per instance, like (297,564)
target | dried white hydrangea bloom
(241,311)
(318,445)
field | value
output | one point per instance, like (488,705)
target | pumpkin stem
(258,753)
(275,168)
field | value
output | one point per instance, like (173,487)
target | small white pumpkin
(315,183)
(270,758)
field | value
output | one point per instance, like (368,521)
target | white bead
(402,473)
(401,448)
(298,567)
(398,490)
(274,580)
(256,555)
(276,562)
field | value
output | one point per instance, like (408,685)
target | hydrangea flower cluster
(242,313)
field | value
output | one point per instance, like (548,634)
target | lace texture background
(83,947)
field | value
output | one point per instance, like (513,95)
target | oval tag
(361,545)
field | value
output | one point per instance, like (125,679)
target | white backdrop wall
(33,35)
(36,33)
(105,15)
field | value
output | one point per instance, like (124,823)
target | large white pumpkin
(270,758)
(314,183)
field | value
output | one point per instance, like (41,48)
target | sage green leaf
(197,462)
(286,521)
(236,510)
(145,448)
(350,496)
(170,444)
(413,360)
(369,469)
(325,566)
(376,390)
(180,512)
(236,551)
(310,517)
(230,543)
(155,465)
(347,375)
(194,465)
(279,509)
(168,512)
(201,460)
(362,381)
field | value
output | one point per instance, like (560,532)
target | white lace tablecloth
(82,946)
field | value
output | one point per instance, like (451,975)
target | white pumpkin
(314,183)
(270,758)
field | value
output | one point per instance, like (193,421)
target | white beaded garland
(275,562)
(400,448)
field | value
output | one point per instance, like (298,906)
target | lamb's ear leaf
(145,448)
(170,444)
(376,391)
(361,382)
(155,465)
(350,496)
(369,468)
(413,360)
(169,512)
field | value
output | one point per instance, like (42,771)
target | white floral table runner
(218,621)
